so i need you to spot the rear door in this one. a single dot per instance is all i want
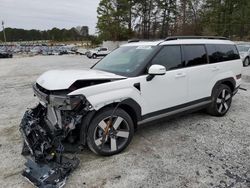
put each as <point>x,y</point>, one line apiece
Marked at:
<point>224,61</point>
<point>199,72</point>
<point>163,93</point>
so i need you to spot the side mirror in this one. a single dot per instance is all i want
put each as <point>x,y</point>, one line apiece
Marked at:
<point>155,70</point>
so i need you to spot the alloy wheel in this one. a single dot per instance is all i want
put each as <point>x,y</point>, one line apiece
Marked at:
<point>223,101</point>
<point>111,138</point>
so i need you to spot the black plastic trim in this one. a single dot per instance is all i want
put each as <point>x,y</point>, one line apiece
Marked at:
<point>195,37</point>
<point>167,110</point>
<point>135,106</point>
<point>137,86</point>
<point>84,127</point>
<point>231,80</point>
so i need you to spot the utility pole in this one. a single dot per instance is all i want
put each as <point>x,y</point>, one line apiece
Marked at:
<point>4,32</point>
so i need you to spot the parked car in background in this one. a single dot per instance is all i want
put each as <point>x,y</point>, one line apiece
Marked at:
<point>36,50</point>
<point>5,54</point>
<point>98,52</point>
<point>244,50</point>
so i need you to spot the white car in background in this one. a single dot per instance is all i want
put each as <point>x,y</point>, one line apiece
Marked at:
<point>244,50</point>
<point>98,52</point>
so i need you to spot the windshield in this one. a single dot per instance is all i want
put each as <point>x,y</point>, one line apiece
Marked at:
<point>125,60</point>
<point>242,48</point>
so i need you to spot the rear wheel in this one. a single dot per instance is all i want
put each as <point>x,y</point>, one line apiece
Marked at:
<point>221,101</point>
<point>246,62</point>
<point>109,136</point>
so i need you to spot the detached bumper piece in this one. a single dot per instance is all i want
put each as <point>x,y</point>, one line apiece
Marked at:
<point>46,166</point>
<point>51,175</point>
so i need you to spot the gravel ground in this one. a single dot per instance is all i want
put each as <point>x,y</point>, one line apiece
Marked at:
<point>195,150</point>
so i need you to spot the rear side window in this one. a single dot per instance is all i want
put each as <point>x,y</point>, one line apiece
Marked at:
<point>103,49</point>
<point>170,57</point>
<point>222,52</point>
<point>194,55</point>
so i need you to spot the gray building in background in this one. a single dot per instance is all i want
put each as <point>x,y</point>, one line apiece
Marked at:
<point>84,31</point>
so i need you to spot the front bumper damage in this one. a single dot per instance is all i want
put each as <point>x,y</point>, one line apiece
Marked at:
<point>46,166</point>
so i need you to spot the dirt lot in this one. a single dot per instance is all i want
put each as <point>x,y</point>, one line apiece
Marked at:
<point>196,150</point>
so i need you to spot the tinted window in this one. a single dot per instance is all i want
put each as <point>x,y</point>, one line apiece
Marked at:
<point>222,52</point>
<point>194,55</point>
<point>103,49</point>
<point>169,56</point>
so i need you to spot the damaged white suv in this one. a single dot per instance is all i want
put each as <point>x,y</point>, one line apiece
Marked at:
<point>136,83</point>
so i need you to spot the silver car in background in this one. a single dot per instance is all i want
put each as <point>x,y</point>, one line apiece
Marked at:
<point>244,50</point>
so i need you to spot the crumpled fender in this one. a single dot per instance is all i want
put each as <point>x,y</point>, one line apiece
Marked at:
<point>111,92</point>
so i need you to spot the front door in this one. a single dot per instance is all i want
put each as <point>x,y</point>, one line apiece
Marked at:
<point>165,92</point>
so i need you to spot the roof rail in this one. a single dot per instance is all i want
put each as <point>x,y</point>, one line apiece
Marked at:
<point>195,37</point>
<point>133,40</point>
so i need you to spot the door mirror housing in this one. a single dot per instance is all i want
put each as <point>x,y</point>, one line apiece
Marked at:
<point>155,70</point>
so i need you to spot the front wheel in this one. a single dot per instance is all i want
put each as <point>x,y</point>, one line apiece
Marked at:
<point>109,136</point>
<point>94,56</point>
<point>221,101</point>
<point>246,62</point>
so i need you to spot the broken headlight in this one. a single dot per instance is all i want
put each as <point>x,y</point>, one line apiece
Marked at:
<point>68,102</point>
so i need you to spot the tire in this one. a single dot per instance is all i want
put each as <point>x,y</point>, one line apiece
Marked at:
<point>221,101</point>
<point>118,137</point>
<point>246,62</point>
<point>94,56</point>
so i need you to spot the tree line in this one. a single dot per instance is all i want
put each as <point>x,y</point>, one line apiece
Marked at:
<point>150,19</point>
<point>55,34</point>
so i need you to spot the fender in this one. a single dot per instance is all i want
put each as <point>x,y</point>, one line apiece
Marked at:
<point>111,92</point>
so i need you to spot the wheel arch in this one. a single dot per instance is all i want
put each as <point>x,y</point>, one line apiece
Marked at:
<point>230,82</point>
<point>128,105</point>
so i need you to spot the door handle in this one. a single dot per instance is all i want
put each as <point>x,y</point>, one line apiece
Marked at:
<point>180,75</point>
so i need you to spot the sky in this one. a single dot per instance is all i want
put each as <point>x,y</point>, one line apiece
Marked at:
<point>46,14</point>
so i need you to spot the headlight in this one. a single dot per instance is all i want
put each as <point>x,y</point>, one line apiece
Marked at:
<point>68,102</point>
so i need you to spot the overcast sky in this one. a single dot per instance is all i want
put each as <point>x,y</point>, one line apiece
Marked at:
<point>46,14</point>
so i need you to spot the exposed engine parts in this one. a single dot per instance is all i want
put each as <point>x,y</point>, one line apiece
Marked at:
<point>46,165</point>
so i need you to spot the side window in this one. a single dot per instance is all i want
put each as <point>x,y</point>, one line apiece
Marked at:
<point>103,49</point>
<point>222,52</point>
<point>228,52</point>
<point>194,55</point>
<point>214,55</point>
<point>170,57</point>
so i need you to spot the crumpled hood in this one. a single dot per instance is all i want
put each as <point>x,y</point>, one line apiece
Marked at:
<point>63,79</point>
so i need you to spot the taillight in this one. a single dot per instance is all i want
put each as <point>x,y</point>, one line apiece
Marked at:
<point>238,76</point>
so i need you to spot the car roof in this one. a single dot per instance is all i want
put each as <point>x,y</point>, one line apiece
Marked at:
<point>180,41</point>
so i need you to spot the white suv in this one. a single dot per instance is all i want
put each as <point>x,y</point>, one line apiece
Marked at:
<point>98,52</point>
<point>136,83</point>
